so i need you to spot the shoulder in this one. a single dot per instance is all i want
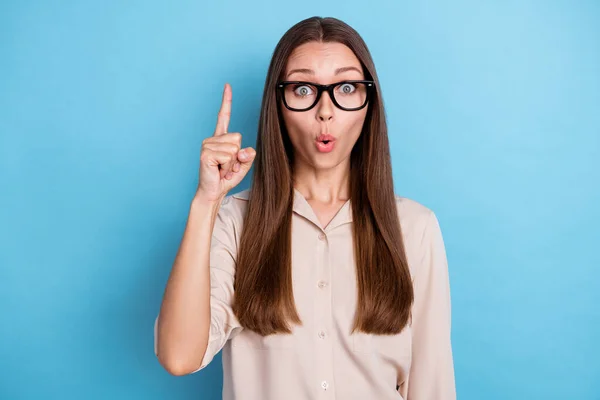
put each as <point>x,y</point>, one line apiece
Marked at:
<point>414,216</point>
<point>419,226</point>
<point>241,195</point>
<point>420,232</point>
<point>233,207</point>
<point>229,220</point>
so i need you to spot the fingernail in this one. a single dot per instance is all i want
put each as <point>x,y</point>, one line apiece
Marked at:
<point>243,154</point>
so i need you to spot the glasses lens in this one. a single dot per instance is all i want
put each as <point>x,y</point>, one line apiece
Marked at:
<point>300,95</point>
<point>350,95</point>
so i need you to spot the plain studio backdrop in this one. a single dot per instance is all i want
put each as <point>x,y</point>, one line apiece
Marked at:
<point>494,123</point>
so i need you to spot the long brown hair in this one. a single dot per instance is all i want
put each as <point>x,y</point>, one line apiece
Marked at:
<point>263,299</point>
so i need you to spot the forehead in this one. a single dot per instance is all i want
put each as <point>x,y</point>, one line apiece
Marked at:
<point>322,58</point>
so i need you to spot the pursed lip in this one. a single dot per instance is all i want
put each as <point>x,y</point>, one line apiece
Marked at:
<point>325,137</point>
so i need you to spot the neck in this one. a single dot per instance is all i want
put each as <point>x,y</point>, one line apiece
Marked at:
<point>323,185</point>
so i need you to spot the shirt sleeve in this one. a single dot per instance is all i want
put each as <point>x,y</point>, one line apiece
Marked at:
<point>431,375</point>
<point>223,251</point>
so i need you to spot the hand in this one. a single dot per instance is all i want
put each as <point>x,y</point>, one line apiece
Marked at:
<point>222,164</point>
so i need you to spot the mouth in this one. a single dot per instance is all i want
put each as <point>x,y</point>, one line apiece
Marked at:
<point>325,143</point>
<point>325,137</point>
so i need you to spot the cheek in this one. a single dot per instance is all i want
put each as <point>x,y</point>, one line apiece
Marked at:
<point>355,124</point>
<point>297,124</point>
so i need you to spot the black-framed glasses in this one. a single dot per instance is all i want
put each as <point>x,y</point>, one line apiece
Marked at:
<point>349,95</point>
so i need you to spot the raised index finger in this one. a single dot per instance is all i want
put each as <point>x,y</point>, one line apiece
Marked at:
<point>224,112</point>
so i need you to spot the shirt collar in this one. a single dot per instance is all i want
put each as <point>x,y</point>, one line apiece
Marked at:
<point>304,209</point>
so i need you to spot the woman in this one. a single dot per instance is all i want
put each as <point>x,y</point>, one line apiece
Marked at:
<point>319,281</point>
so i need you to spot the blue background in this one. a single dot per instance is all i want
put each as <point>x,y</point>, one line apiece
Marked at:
<point>494,121</point>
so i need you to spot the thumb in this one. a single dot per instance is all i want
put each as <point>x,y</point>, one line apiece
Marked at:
<point>246,157</point>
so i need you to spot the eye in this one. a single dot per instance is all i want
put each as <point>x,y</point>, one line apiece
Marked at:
<point>347,88</point>
<point>303,90</point>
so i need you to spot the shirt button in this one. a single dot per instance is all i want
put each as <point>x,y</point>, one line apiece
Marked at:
<point>324,385</point>
<point>321,236</point>
<point>321,334</point>
<point>322,284</point>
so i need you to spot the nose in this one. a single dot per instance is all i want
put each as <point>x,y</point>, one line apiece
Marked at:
<point>325,107</point>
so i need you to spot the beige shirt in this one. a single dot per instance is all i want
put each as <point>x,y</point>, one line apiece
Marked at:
<point>321,360</point>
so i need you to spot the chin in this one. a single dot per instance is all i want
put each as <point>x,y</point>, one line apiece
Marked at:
<point>326,162</point>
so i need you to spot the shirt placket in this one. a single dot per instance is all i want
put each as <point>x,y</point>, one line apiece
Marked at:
<point>323,318</point>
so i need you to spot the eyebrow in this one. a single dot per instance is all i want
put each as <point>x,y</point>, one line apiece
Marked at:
<point>311,72</point>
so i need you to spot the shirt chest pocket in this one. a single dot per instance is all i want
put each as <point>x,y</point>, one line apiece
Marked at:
<point>398,346</point>
<point>248,338</point>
